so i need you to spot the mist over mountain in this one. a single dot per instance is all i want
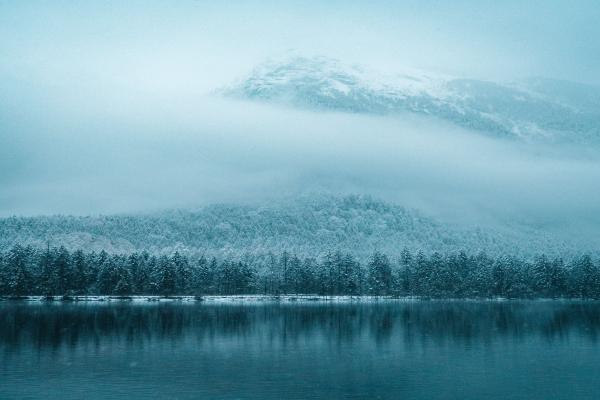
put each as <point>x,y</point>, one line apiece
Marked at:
<point>530,109</point>
<point>426,146</point>
<point>425,108</point>
<point>254,199</point>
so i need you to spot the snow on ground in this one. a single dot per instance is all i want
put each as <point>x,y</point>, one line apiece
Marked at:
<point>225,299</point>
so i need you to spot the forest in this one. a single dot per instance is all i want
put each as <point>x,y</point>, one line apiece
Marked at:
<point>56,271</point>
<point>307,225</point>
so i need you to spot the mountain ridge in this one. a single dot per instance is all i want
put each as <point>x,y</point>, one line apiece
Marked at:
<point>534,109</point>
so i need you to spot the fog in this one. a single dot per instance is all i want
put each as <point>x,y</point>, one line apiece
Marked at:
<point>190,46</point>
<point>214,150</point>
<point>108,108</point>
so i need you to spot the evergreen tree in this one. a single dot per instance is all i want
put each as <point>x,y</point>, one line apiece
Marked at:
<point>56,271</point>
<point>203,277</point>
<point>380,275</point>
<point>47,277</point>
<point>16,276</point>
<point>405,276</point>
<point>166,278</point>
<point>62,267</point>
<point>183,273</point>
<point>80,273</point>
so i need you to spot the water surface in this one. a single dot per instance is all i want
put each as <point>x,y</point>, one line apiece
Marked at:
<point>391,350</point>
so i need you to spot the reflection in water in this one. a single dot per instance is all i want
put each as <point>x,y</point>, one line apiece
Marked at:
<point>53,326</point>
<point>421,349</point>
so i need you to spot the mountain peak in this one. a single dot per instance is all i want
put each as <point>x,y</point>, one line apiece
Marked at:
<point>529,110</point>
<point>327,83</point>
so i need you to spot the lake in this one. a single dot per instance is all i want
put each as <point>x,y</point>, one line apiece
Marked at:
<point>378,350</point>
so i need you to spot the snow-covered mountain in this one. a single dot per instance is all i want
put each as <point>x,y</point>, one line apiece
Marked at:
<point>532,109</point>
<point>309,226</point>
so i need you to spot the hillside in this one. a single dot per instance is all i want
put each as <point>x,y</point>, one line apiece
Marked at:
<point>307,226</point>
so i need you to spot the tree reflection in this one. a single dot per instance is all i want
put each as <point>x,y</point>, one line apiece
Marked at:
<point>51,326</point>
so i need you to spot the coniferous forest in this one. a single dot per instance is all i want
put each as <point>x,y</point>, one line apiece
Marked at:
<point>58,271</point>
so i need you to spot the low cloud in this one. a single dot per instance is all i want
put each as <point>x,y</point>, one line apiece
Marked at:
<point>207,150</point>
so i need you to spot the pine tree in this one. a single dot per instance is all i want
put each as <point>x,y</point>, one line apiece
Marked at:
<point>405,273</point>
<point>203,277</point>
<point>62,268</point>
<point>166,276</point>
<point>80,276</point>
<point>17,275</point>
<point>380,275</point>
<point>183,273</point>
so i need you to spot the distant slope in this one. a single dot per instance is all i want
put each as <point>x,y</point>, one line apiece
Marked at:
<point>310,226</point>
<point>531,110</point>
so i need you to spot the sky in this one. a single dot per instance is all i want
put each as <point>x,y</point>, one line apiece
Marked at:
<point>106,106</point>
<point>193,45</point>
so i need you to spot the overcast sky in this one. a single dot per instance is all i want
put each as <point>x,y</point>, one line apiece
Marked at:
<point>147,45</point>
<point>103,105</point>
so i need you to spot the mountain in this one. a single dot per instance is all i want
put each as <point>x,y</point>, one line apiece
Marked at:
<point>534,109</point>
<point>309,226</point>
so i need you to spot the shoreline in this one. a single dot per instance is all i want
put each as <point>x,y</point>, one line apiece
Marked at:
<point>253,298</point>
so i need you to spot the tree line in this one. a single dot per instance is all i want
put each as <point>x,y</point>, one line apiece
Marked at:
<point>58,271</point>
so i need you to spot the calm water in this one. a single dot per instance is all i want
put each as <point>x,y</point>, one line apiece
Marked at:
<point>416,350</point>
